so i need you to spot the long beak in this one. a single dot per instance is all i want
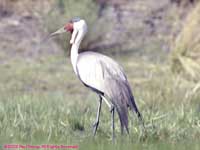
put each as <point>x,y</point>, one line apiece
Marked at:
<point>59,31</point>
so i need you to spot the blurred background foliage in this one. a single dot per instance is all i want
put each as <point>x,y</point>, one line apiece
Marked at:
<point>186,48</point>
<point>144,28</point>
<point>63,11</point>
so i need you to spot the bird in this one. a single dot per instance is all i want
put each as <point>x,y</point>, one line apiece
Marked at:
<point>102,75</point>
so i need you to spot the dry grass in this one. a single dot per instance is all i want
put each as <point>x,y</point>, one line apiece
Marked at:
<point>186,52</point>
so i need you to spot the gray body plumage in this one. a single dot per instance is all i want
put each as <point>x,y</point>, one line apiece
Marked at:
<point>103,75</point>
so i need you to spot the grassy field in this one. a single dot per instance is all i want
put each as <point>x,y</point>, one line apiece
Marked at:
<point>41,102</point>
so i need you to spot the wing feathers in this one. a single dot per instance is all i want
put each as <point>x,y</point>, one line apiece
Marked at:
<point>104,74</point>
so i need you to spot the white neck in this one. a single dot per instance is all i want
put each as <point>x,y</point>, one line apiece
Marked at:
<point>74,56</point>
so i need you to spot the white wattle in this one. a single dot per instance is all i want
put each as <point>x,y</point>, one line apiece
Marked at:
<point>74,57</point>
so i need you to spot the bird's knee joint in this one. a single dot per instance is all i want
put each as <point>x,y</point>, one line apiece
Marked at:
<point>96,123</point>
<point>112,107</point>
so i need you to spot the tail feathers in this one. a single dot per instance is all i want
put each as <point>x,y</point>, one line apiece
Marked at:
<point>135,109</point>
<point>123,117</point>
<point>119,95</point>
<point>122,97</point>
<point>133,105</point>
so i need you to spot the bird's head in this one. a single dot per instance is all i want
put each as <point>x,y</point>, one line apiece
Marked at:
<point>76,26</point>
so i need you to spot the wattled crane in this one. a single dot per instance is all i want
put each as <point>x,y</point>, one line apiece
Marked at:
<point>102,75</point>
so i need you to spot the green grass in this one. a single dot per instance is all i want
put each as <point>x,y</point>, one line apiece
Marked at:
<point>41,102</point>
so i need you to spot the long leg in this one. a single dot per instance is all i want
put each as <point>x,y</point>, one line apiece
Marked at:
<point>112,110</point>
<point>107,102</point>
<point>96,123</point>
<point>113,122</point>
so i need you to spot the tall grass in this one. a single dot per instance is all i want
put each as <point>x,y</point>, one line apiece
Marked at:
<point>185,54</point>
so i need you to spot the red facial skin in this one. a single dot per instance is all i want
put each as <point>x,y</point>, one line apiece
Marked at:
<point>69,27</point>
